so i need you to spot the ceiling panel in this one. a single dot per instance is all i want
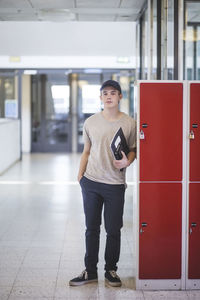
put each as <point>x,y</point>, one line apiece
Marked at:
<point>39,4</point>
<point>70,10</point>
<point>126,18</point>
<point>97,18</point>
<point>132,3</point>
<point>98,3</point>
<point>15,4</point>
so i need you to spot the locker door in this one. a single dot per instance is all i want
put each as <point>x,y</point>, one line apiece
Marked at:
<point>194,231</point>
<point>195,130</point>
<point>160,231</point>
<point>161,108</point>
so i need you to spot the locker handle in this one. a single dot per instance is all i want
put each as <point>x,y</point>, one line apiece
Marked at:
<point>144,224</point>
<point>193,224</point>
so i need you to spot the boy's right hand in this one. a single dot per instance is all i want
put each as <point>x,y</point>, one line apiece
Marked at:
<point>79,177</point>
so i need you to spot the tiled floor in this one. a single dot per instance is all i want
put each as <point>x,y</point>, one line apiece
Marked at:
<point>42,235</point>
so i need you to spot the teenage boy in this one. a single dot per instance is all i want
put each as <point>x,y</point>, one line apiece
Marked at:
<point>102,179</point>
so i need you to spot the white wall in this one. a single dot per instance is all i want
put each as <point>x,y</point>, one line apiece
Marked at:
<point>10,143</point>
<point>81,44</point>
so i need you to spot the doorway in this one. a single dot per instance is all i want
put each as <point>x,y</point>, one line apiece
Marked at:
<point>51,117</point>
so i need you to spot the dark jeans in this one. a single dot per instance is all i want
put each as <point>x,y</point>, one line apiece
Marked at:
<point>95,195</point>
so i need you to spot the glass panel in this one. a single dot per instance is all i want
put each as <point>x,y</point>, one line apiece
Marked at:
<point>170,40</point>
<point>90,99</point>
<point>36,108</point>
<point>60,95</point>
<point>8,99</point>
<point>51,121</point>
<point>192,40</point>
<point>56,110</point>
<point>189,50</point>
<point>154,44</point>
<point>198,53</point>
<point>125,86</point>
<point>145,45</point>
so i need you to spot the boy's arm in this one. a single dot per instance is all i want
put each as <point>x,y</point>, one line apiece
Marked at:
<point>84,160</point>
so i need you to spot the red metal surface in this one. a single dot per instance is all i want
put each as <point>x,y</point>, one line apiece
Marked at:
<point>194,236</point>
<point>161,108</point>
<point>160,241</point>
<point>195,143</point>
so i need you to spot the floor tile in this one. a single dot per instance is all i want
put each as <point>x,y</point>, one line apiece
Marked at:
<point>5,292</point>
<point>173,295</point>
<point>31,291</point>
<point>193,295</point>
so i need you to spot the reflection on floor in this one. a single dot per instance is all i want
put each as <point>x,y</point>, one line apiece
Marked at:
<point>42,235</point>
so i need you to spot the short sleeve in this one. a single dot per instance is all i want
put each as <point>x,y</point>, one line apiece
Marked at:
<point>132,141</point>
<point>86,138</point>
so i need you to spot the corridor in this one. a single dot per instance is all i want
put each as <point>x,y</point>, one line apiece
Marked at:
<point>42,235</point>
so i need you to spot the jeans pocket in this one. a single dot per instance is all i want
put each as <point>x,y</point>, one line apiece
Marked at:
<point>81,180</point>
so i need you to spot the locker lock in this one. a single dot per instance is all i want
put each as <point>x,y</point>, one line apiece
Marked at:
<point>191,135</point>
<point>142,137</point>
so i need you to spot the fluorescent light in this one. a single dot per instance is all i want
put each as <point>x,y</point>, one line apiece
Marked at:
<point>93,71</point>
<point>30,72</point>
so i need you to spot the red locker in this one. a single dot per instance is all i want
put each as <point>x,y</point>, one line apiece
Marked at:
<point>160,230</point>
<point>194,231</point>
<point>161,110</point>
<point>194,131</point>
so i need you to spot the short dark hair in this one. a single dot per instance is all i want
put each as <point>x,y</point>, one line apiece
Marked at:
<point>113,84</point>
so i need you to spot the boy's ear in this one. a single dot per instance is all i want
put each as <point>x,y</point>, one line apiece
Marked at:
<point>120,98</point>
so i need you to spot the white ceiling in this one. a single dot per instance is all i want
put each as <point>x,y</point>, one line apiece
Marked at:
<point>70,10</point>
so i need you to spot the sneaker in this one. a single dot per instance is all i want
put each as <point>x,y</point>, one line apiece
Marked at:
<point>112,278</point>
<point>83,278</point>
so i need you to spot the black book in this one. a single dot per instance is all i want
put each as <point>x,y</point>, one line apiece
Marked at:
<point>119,144</point>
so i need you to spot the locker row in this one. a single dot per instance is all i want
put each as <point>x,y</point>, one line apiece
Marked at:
<point>168,249</point>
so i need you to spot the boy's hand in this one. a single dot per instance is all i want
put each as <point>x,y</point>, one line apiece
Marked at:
<point>79,177</point>
<point>122,163</point>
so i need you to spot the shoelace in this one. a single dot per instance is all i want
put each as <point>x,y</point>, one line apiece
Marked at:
<point>84,274</point>
<point>114,274</point>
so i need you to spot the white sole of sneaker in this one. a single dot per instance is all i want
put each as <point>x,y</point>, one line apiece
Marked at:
<point>113,284</point>
<point>71,283</point>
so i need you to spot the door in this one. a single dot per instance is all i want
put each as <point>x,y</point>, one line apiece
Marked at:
<point>194,185</point>
<point>194,231</point>
<point>51,118</point>
<point>194,131</point>
<point>160,230</point>
<point>160,188</point>
<point>161,110</point>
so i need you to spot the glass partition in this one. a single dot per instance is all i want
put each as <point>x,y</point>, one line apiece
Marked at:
<point>8,96</point>
<point>51,116</point>
<point>192,40</point>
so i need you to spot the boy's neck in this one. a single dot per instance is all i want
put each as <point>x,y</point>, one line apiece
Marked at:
<point>111,114</point>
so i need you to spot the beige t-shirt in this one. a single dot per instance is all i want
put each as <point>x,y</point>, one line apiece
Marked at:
<point>99,132</point>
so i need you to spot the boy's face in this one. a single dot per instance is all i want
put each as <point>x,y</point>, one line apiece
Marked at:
<point>110,97</point>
